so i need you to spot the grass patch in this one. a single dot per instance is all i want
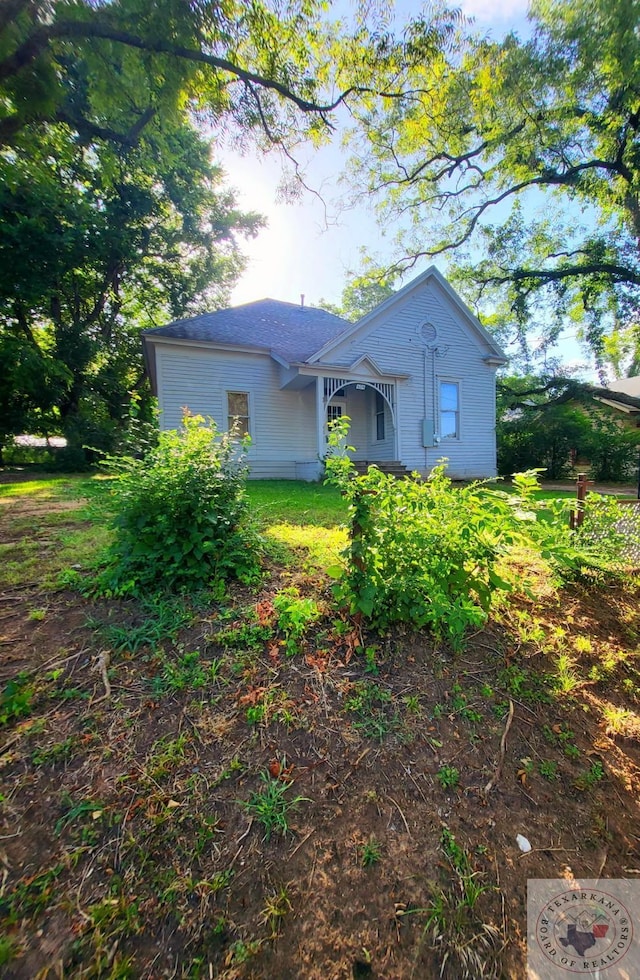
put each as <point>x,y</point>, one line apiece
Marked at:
<point>301,521</point>
<point>293,502</point>
<point>40,560</point>
<point>67,487</point>
<point>271,805</point>
<point>320,546</point>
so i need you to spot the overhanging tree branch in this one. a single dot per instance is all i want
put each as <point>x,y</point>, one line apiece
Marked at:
<point>559,391</point>
<point>86,30</point>
<point>536,277</point>
<point>41,38</point>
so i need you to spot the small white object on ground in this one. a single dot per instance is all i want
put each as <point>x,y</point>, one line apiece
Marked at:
<point>523,843</point>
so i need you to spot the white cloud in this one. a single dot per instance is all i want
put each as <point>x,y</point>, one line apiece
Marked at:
<point>506,14</point>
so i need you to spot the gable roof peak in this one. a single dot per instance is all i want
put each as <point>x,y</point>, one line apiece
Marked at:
<point>432,272</point>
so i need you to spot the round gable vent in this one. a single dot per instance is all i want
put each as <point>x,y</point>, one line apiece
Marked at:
<point>428,333</point>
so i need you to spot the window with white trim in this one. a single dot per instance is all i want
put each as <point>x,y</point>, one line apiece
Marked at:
<point>238,412</point>
<point>449,410</point>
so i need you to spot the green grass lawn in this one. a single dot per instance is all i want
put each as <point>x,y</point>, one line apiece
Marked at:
<point>50,487</point>
<point>293,502</point>
<point>305,522</point>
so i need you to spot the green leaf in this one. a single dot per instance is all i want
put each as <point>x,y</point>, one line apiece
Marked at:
<point>335,571</point>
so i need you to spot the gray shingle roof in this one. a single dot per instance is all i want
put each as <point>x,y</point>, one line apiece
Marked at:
<point>289,330</point>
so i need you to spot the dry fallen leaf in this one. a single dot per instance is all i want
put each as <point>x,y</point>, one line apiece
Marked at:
<point>252,698</point>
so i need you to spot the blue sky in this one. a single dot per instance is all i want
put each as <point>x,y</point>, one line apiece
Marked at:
<point>305,249</point>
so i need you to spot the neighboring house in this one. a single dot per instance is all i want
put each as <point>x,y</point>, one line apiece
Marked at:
<point>628,415</point>
<point>416,376</point>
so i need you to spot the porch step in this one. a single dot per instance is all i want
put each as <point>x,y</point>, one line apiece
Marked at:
<point>393,468</point>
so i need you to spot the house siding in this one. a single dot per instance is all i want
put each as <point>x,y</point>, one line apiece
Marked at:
<point>282,423</point>
<point>395,345</point>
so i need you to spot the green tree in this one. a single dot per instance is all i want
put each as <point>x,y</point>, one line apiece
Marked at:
<point>95,245</point>
<point>359,297</point>
<point>483,135</point>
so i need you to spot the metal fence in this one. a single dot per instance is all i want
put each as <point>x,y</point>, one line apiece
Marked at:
<point>629,526</point>
<point>595,525</point>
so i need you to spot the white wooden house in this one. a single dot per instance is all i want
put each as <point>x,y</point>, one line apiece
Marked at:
<point>416,376</point>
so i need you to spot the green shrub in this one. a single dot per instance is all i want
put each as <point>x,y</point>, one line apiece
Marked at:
<point>612,450</point>
<point>542,438</point>
<point>426,553</point>
<point>422,552</point>
<point>180,513</point>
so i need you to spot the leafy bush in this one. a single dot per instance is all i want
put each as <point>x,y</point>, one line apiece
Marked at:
<point>422,553</point>
<point>542,438</point>
<point>295,614</point>
<point>181,514</point>
<point>426,553</point>
<point>612,450</point>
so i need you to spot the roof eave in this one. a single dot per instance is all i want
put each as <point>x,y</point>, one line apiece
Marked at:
<point>619,406</point>
<point>216,344</point>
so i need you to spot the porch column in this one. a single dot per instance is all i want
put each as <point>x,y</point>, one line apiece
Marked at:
<point>320,416</point>
<point>396,423</point>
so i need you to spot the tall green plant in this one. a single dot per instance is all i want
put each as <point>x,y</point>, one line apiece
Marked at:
<point>180,513</point>
<point>427,553</point>
<point>420,552</point>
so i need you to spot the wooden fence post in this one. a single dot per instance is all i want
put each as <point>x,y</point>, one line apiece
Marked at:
<point>577,516</point>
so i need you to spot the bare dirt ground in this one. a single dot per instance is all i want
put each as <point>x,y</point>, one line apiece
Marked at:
<point>137,744</point>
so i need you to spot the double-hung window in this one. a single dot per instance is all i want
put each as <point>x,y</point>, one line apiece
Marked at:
<point>449,410</point>
<point>238,412</point>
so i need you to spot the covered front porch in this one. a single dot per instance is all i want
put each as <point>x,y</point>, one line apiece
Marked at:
<point>370,407</point>
<point>362,393</point>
